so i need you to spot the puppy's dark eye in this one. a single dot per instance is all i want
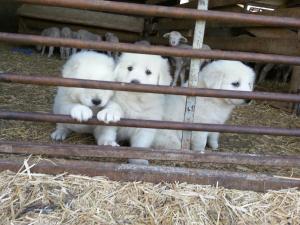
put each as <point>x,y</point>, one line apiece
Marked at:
<point>148,72</point>
<point>236,84</point>
<point>130,68</point>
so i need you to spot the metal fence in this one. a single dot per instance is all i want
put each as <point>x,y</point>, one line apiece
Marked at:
<point>154,173</point>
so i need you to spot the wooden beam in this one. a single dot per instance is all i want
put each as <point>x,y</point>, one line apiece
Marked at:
<point>167,24</point>
<point>266,32</point>
<point>33,26</point>
<point>252,44</point>
<point>83,17</point>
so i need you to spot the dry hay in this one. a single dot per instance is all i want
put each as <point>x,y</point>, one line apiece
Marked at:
<point>27,198</point>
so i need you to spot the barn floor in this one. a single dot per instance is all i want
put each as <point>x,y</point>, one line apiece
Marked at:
<point>151,204</point>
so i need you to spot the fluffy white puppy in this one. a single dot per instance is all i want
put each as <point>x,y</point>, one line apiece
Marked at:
<point>82,103</point>
<point>137,69</point>
<point>222,74</point>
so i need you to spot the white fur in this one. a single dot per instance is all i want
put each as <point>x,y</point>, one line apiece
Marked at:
<point>138,105</point>
<point>217,75</point>
<point>78,102</point>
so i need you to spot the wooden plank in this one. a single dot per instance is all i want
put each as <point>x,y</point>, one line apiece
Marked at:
<point>83,17</point>
<point>167,24</point>
<point>193,76</point>
<point>252,44</point>
<point>282,46</point>
<point>33,26</point>
<point>265,32</point>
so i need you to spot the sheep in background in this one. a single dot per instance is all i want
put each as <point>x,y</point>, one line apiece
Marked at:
<point>175,38</point>
<point>74,36</point>
<point>110,37</point>
<point>88,36</point>
<point>65,52</point>
<point>49,32</point>
<point>181,63</point>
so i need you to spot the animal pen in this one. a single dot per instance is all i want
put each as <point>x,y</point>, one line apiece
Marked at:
<point>86,159</point>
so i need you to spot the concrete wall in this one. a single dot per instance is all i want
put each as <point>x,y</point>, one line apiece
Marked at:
<point>8,19</point>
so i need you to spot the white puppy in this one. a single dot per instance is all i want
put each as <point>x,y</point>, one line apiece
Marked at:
<point>222,74</point>
<point>82,103</point>
<point>137,69</point>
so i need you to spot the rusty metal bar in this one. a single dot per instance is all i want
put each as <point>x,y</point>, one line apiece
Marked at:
<point>174,12</point>
<point>116,86</point>
<point>156,124</point>
<point>93,151</point>
<point>155,50</point>
<point>157,174</point>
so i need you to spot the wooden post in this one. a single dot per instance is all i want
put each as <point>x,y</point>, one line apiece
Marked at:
<point>193,77</point>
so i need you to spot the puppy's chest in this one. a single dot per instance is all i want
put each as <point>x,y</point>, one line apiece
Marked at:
<point>209,112</point>
<point>141,108</point>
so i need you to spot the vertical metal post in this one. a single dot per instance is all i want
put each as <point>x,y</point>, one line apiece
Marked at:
<point>193,76</point>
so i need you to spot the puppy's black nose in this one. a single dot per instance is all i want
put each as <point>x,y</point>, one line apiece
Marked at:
<point>247,101</point>
<point>135,81</point>
<point>96,101</point>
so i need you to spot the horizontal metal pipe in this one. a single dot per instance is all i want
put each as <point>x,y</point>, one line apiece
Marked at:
<point>155,50</point>
<point>93,151</point>
<point>174,12</point>
<point>157,174</point>
<point>157,124</point>
<point>116,86</point>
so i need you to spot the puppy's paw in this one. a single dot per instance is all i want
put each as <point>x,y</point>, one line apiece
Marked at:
<point>214,145</point>
<point>59,135</point>
<point>109,115</point>
<point>200,149</point>
<point>81,113</point>
<point>111,143</point>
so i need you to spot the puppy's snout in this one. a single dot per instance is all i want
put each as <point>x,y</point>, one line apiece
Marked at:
<point>247,101</point>
<point>135,81</point>
<point>96,101</point>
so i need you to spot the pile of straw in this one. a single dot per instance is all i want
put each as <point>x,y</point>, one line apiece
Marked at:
<point>27,198</point>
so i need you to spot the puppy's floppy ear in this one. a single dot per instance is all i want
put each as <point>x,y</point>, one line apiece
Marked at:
<point>166,35</point>
<point>70,68</point>
<point>119,69</point>
<point>164,77</point>
<point>212,80</point>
